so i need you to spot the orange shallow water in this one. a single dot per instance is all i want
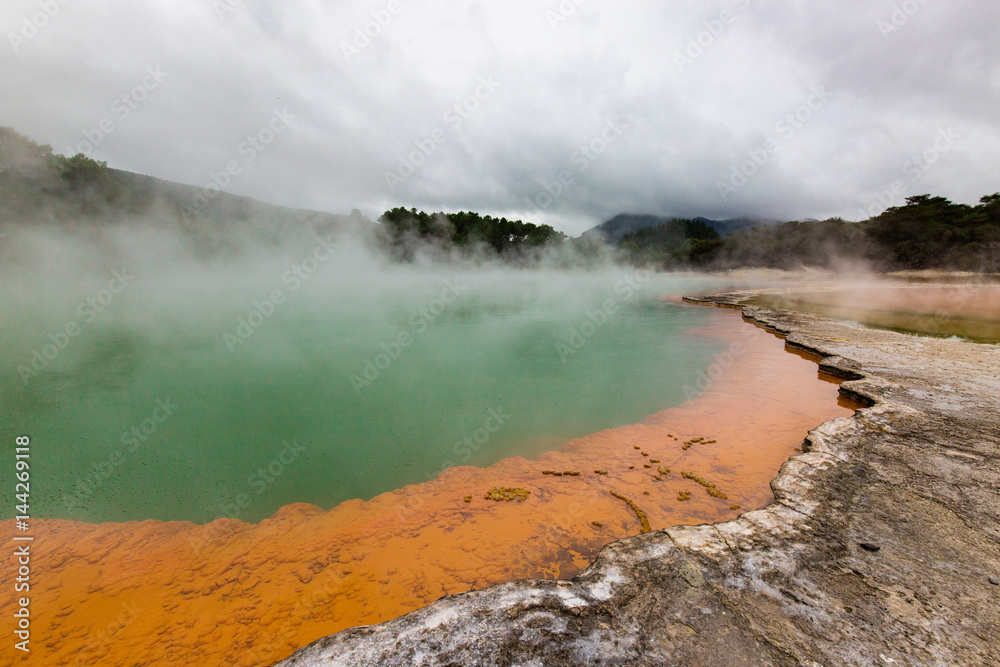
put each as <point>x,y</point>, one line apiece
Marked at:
<point>231,593</point>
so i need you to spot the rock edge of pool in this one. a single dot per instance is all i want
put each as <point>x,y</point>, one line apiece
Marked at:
<point>882,546</point>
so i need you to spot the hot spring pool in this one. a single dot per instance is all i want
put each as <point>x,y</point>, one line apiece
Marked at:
<point>165,405</point>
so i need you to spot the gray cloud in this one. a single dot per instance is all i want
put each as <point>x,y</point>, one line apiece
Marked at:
<point>564,71</point>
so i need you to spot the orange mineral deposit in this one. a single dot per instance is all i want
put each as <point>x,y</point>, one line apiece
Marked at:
<point>232,593</point>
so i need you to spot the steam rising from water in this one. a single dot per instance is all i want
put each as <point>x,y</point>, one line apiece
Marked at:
<point>165,381</point>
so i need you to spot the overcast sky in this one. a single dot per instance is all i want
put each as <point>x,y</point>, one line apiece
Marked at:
<point>790,109</point>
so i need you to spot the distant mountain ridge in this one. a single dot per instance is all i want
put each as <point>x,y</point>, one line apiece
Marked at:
<point>627,223</point>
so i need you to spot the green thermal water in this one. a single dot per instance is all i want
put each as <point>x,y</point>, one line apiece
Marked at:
<point>232,413</point>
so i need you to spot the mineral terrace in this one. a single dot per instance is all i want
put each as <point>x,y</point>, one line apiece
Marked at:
<point>881,548</point>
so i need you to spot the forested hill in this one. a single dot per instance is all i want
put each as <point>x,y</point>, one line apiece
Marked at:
<point>37,185</point>
<point>629,223</point>
<point>651,244</point>
<point>926,233</point>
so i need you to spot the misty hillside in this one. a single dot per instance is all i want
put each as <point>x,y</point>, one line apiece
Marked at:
<point>926,233</point>
<point>656,245</point>
<point>37,186</point>
<point>628,223</point>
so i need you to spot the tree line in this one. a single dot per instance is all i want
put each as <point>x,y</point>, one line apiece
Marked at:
<point>402,233</point>
<point>926,233</point>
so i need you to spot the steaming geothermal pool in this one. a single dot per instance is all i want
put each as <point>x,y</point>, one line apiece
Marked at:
<point>158,403</point>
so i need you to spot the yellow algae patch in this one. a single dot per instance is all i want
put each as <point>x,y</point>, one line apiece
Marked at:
<point>709,487</point>
<point>506,494</point>
<point>643,519</point>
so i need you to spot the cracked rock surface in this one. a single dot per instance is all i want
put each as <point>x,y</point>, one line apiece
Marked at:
<point>878,550</point>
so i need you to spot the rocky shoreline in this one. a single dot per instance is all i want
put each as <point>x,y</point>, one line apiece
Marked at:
<point>882,547</point>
